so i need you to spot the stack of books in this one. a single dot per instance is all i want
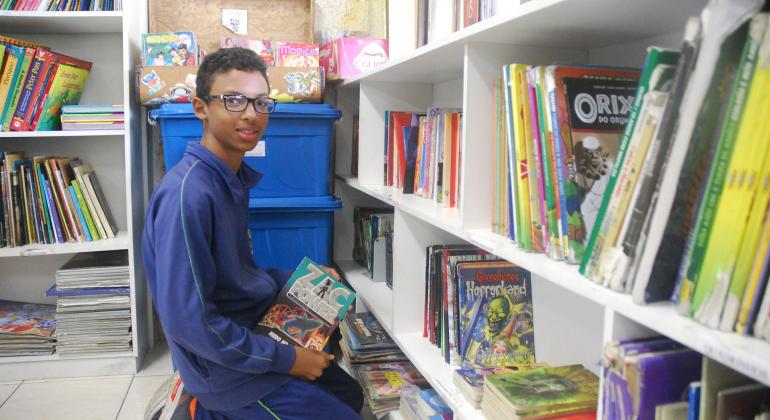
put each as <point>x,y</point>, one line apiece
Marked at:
<point>26,329</point>
<point>93,310</point>
<point>371,239</point>
<point>92,117</point>
<point>470,381</point>
<point>424,404</point>
<point>365,341</point>
<point>540,393</point>
<point>383,384</point>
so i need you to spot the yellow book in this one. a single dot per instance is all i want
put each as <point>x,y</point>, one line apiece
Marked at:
<point>757,268</point>
<point>8,72</point>
<point>522,135</point>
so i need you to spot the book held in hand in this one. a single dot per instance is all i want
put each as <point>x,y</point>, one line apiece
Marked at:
<point>308,308</point>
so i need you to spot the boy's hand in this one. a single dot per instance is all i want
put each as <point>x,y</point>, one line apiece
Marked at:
<point>309,364</point>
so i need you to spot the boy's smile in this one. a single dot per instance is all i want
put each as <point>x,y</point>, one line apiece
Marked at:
<point>229,134</point>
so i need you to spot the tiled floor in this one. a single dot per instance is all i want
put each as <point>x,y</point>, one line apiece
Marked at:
<point>102,398</point>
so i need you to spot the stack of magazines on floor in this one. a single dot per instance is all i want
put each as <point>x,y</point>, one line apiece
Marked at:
<point>26,329</point>
<point>373,358</point>
<point>93,310</point>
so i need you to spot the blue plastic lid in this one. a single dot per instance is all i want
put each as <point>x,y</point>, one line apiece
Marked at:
<point>281,111</point>
<point>328,202</point>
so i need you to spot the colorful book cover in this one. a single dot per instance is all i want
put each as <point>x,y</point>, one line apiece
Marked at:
<point>496,316</point>
<point>368,331</point>
<point>592,106</point>
<point>16,86</point>
<point>170,49</point>
<point>655,56</point>
<point>307,309</point>
<point>544,77</point>
<point>27,318</point>
<point>296,54</point>
<point>66,88</point>
<point>549,387</point>
<point>84,212</point>
<point>9,69</point>
<point>388,380</point>
<point>518,140</point>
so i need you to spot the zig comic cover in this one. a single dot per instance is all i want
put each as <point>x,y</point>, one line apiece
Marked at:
<point>307,309</point>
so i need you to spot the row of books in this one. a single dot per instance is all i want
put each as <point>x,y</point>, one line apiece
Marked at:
<point>421,404</point>
<point>478,309</point>
<point>696,387</point>
<point>438,18</point>
<point>422,154</point>
<point>655,182</point>
<point>61,5</point>
<point>48,200</point>
<point>283,54</point>
<point>373,242</point>
<point>93,306</point>
<point>367,352</point>
<point>34,84</point>
<point>92,117</point>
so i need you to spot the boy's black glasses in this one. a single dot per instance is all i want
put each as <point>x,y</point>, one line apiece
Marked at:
<point>237,103</point>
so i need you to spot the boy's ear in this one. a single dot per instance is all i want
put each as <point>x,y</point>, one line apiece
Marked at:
<point>199,108</point>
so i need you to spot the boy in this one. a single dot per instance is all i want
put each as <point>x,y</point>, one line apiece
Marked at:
<point>205,287</point>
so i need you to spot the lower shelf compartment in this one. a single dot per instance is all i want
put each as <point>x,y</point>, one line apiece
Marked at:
<point>57,366</point>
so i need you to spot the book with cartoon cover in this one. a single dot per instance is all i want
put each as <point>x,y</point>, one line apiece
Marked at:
<point>170,49</point>
<point>496,316</point>
<point>21,318</point>
<point>384,382</point>
<point>307,309</point>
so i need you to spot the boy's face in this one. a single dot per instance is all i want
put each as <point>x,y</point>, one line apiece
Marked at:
<point>232,133</point>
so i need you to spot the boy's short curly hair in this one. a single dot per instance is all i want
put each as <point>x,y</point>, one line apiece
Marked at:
<point>224,60</point>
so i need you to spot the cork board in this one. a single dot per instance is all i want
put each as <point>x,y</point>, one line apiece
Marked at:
<point>276,20</point>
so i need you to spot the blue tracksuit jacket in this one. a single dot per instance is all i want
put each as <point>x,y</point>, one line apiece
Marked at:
<point>205,287</point>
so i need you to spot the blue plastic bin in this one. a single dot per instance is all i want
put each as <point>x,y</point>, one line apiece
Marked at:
<point>297,154</point>
<point>284,230</point>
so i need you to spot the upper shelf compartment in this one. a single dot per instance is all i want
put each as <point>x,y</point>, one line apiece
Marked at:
<point>581,25</point>
<point>60,22</point>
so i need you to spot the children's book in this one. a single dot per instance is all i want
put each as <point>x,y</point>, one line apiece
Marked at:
<point>296,54</point>
<point>496,316</point>
<point>27,318</point>
<point>67,86</point>
<point>308,308</point>
<point>170,49</point>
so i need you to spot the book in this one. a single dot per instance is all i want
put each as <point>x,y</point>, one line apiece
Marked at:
<point>672,411</point>
<point>66,88</point>
<point>548,391</point>
<point>716,377</point>
<point>383,383</point>
<point>296,54</point>
<point>170,49</point>
<point>742,402</point>
<point>23,318</point>
<point>693,401</point>
<point>308,308</point>
<point>496,314</point>
<point>368,331</point>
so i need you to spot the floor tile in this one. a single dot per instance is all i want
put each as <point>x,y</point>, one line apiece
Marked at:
<point>67,399</point>
<point>6,389</point>
<point>142,389</point>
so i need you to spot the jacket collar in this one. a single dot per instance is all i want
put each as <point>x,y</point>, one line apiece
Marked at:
<point>238,183</point>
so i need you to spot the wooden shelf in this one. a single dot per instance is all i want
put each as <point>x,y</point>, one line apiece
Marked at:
<point>119,242</point>
<point>60,22</point>
<point>59,134</point>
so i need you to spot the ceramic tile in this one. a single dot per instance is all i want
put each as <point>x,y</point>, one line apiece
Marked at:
<point>67,399</point>
<point>139,394</point>
<point>6,389</point>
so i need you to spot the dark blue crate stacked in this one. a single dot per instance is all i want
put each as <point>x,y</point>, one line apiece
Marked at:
<point>291,207</point>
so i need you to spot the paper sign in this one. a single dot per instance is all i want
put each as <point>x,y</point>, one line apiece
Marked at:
<point>235,20</point>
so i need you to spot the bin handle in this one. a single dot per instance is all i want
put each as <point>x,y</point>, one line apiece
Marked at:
<point>151,119</point>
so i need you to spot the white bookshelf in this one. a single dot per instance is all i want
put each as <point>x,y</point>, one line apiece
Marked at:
<point>110,40</point>
<point>60,134</point>
<point>574,317</point>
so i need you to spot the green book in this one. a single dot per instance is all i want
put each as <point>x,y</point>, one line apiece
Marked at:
<point>86,211</point>
<point>568,387</point>
<point>655,56</point>
<point>714,128</point>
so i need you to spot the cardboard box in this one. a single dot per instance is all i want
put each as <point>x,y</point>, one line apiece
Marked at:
<point>158,85</point>
<point>347,57</point>
<point>161,85</point>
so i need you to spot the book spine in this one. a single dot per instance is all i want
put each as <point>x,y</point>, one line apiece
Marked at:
<point>102,207</point>
<point>510,165</point>
<point>58,205</point>
<point>518,159</point>
<point>560,170</point>
<point>88,214</point>
<point>8,81</point>
<point>20,119</point>
<point>66,202</point>
<point>757,280</point>
<point>80,210</point>
<point>535,171</point>
<point>57,229</point>
<point>16,91</point>
<point>43,96</point>
<point>546,134</point>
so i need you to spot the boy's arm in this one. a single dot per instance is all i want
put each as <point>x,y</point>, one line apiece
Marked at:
<point>186,277</point>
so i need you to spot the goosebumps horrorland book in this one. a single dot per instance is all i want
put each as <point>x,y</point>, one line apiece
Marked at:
<point>307,309</point>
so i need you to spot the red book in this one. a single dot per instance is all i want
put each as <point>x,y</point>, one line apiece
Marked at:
<point>42,93</point>
<point>396,152</point>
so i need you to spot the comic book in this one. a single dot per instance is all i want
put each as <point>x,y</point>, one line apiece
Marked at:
<point>496,314</point>
<point>383,383</point>
<point>296,54</point>
<point>67,86</point>
<point>260,46</point>
<point>27,318</point>
<point>591,106</point>
<point>307,309</point>
<point>170,49</point>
